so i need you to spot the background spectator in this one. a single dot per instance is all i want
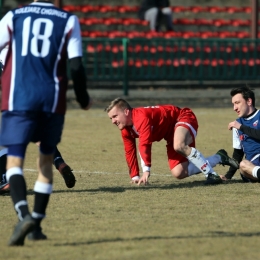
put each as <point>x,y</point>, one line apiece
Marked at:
<point>156,12</point>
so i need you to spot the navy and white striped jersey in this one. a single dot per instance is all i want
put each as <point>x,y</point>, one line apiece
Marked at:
<point>40,38</point>
<point>250,145</point>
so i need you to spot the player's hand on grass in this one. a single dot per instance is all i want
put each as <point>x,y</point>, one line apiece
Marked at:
<point>144,178</point>
<point>135,179</point>
<point>223,177</point>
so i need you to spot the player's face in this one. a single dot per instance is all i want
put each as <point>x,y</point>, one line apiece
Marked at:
<point>241,106</point>
<point>119,117</point>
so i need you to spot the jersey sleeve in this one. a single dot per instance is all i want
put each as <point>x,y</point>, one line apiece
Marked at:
<point>130,153</point>
<point>236,140</point>
<point>6,25</point>
<point>252,132</point>
<point>74,48</point>
<point>3,54</point>
<point>145,143</point>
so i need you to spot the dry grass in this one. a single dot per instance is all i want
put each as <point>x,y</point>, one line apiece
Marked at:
<point>106,217</point>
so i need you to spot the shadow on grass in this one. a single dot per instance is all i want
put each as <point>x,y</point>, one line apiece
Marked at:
<point>211,234</point>
<point>176,185</point>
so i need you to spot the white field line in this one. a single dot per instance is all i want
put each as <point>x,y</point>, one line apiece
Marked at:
<point>122,173</point>
<point>99,172</point>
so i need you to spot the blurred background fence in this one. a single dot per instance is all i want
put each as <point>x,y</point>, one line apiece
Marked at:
<point>213,42</point>
<point>171,59</point>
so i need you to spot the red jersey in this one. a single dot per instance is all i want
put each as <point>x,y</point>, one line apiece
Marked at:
<point>150,124</point>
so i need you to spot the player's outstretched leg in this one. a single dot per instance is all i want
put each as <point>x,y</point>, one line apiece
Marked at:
<point>22,228</point>
<point>64,169</point>
<point>226,160</point>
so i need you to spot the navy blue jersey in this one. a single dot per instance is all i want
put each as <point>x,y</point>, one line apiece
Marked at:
<point>250,145</point>
<point>40,38</point>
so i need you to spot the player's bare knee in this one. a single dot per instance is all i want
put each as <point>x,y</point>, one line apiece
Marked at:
<point>243,165</point>
<point>178,175</point>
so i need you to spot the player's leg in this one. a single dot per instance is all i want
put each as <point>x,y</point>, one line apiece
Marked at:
<point>14,175</point>
<point>16,129</point>
<point>184,144</point>
<point>167,15</point>
<point>42,191</point>
<point>250,171</point>
<point>64,169</point>
<point>50,137</point>
<point>4,185</point>
<point>151,15</point>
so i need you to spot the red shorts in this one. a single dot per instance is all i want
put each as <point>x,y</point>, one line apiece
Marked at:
<point>188,120</point>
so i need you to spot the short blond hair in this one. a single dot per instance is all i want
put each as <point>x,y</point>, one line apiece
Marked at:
<point>119,103</point>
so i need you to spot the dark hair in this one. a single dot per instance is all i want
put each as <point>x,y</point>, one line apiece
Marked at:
<point>118,102</point>
<point>245,91</point>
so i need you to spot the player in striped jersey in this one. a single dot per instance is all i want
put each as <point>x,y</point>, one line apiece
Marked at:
<point>178,126</point>
<point>58,161</point>
<point>40,39</point>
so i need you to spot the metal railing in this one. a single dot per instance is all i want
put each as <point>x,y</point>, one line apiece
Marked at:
<point>171,59</point>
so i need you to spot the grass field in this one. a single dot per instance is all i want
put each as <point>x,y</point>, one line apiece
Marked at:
<point>106,217</point>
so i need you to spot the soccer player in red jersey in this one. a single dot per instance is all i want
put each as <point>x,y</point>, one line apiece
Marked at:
<point>178,126</point>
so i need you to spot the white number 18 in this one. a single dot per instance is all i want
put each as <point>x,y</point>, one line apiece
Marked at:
<point>44,38</point>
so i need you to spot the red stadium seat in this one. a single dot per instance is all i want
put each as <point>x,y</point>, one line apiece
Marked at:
<point>196,9</point>
<point>178,9</point>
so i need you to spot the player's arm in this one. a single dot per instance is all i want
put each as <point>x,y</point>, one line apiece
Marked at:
<point>78,75</point>
<point>6,26</point>
<point>238,155</point>
<point>130,155</point>
<point>145,148</point>
<point>252,132</point>
<point>80,82</point>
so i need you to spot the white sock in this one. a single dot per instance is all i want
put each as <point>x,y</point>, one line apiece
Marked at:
<point>212,160</point>
<point>200,162</point>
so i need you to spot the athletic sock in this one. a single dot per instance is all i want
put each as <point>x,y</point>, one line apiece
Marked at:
<point>256,172</point>
<point>200,162</point>
<point>18,194</point>
<point>58,160</point>
<point>42,194</point>
<point>213,160</point>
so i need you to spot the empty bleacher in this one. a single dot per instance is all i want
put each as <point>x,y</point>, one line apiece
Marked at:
<point>189,21</point>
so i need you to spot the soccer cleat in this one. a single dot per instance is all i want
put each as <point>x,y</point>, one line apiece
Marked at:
<point>4,187</point>
<point>67,175</point>
<point>226,160</point>
<point>213,179</point>
<point>36,234</point>
<point>21,230</point>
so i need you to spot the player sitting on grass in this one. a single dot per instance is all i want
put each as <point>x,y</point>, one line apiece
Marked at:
<point>246,135</point>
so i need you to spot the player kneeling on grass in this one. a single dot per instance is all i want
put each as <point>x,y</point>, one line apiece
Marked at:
<point>178,126</point>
